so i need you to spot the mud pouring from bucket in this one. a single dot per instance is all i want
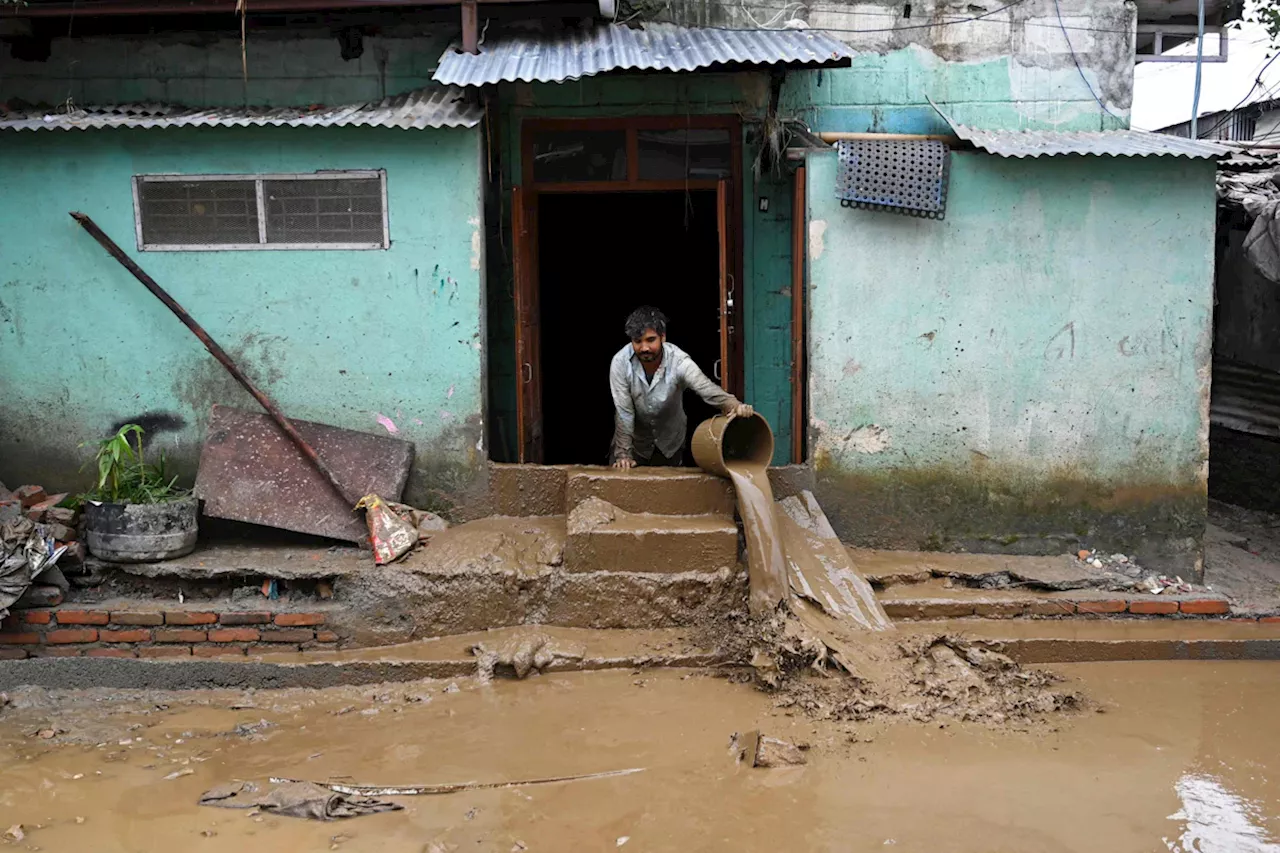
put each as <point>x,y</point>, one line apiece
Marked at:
<point>793,555</point>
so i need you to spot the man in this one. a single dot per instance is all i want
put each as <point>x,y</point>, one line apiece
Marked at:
<point>648,378</point>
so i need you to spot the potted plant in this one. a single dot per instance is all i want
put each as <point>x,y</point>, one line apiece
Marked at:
<point>135,512</point>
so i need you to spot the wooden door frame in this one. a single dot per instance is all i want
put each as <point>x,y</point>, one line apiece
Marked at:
<point>530,191</point>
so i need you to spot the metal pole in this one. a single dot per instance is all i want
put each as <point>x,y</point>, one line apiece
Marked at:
<point>1195,101</point>
<point>218,352</point>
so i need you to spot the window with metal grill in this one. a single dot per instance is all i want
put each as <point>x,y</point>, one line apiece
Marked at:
<point>324,210</point>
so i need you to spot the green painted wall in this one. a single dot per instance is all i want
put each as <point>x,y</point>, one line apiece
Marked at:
<point>766,236</point>
<point>1028,374</point>
<point>335,336</point>
<point>296,68</point>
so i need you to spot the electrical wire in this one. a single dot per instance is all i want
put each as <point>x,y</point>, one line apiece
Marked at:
<point>1257,81</point>
<point>886,29</point>
<point>983,17</point>
<point>1076,60</point>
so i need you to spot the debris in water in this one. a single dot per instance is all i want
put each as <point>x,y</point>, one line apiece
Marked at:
<point>757,750</point>
<point>294,799</point>
<point>623,839</point>
<point>451,787</point>
<point>15,833</point>
<point>186,771</point>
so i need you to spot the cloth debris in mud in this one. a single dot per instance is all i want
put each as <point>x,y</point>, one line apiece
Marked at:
<point>524,653</point>
<point>294,799</point>
<point>27,551</point>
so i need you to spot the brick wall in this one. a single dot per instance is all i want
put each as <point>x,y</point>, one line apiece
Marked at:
<point>72,632</point>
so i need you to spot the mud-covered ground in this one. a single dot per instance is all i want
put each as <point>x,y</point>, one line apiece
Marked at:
<point>1175,756</point>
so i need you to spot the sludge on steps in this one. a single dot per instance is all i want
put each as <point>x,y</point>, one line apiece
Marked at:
<point>812,611</point>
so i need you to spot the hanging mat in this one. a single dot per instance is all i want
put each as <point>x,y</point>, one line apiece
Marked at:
<point>899,176</point>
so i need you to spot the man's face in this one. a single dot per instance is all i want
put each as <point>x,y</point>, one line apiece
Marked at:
<point>648,347</point>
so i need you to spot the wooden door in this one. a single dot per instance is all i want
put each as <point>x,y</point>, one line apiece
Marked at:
<point>524,229</point>
<point>725,375</point>
<point>799,224</point>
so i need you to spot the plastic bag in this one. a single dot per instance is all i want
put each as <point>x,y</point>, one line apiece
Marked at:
<point>391,536</point>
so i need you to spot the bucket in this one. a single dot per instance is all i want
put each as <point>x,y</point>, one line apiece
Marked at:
<point>732,439</point>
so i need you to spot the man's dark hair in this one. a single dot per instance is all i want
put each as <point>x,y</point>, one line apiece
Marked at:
<point>645,317</point>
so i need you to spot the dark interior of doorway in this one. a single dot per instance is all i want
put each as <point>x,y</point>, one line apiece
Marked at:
<point>601,255</point>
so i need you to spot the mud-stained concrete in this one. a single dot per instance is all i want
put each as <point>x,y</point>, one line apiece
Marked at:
<point>1182,759</point>
<point>498,572</point>
<point>604,538</point>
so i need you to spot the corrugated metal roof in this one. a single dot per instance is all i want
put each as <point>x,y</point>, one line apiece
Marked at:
<point>1115,143</point>
<point>423,108</point>
<point>571,54</point>
<point>1245,398</point>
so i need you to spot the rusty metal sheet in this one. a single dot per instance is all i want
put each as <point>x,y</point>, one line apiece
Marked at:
<point>250,471</point>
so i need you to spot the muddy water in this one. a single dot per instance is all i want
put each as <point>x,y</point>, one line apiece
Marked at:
<point>766,566</point>
<point>1186,757</point>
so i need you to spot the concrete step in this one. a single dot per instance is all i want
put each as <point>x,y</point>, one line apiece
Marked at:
<point>602,538</point>
<point>568,649</point>
<point>943,599</point>
<point>1041,641</point>
<point>661,491</point>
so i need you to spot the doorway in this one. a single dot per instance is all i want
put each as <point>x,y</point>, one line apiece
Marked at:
<point>601,255</point>
<point>618,213</point>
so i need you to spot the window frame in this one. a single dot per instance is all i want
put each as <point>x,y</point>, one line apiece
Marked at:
<point>258,179</point>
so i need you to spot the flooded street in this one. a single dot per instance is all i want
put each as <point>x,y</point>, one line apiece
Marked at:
<point>1182,757</point>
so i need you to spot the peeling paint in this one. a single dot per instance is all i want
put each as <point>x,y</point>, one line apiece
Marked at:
<point>817,234</point>
<point>868,439</point>
<point>387,423</point>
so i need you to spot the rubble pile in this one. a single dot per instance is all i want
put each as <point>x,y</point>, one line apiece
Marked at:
<point>1124,573</point>
<point>37,536</point>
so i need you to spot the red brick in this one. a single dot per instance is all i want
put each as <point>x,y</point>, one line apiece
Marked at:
<point>298,635</point>
<point>164,652</point>
<point>1205,606</point>
<point>59,531</point>
<point>12,654</point>
<point>1052,607</point>
<point>188,617</point>
<point>918,609</point>
<point>180,636</point>
<point>37,511</point>
<point>29,495</point>
<point>234,635</point>
<point>37,617</point>
<point>1153,607</point>
<point>16,638</point>
<point>60,652</point>
<point>72,635</point>
<point>131,635</point>
<point>83,617</point>
<point>62,515</point>
<point>259,618</point>
<point>216,651</point>
<point>1102,606</point>
<point>127,617</point>
<point>1269,619</point>
<point>326,637</point>
<point>109,653</point>
<point>299,620</point>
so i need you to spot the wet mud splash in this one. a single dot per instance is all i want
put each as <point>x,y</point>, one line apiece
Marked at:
<point>818,636</point>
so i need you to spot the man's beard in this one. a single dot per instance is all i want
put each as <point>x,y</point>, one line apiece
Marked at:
<point>648,356</point>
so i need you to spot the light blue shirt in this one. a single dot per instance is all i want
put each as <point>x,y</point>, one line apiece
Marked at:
<point>650,413</point>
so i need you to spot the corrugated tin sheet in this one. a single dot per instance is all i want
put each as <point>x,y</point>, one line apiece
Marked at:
<point>423,108</point>
<point>569,55</point>
<point>1245,398</point>
<point>1115,143</point>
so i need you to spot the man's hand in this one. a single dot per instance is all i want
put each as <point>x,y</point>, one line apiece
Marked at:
<point>624,462</point>
<point>742,410</point>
